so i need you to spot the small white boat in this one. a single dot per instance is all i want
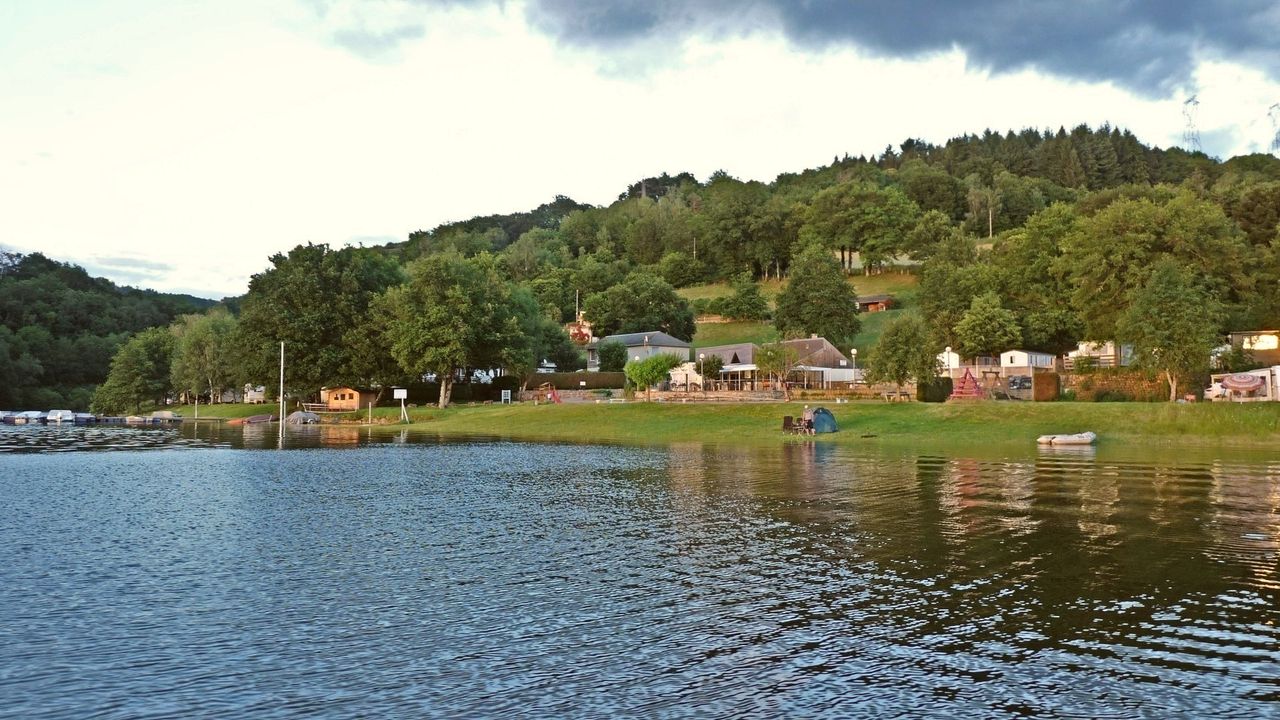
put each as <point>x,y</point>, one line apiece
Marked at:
<point>1084,438</point>
<point>56,417</point>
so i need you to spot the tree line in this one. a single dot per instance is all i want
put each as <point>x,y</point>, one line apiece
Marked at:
<point>1037,239</point>
<point>60,327</point>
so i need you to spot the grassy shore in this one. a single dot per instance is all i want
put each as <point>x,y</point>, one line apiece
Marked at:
<point>1254,425</point>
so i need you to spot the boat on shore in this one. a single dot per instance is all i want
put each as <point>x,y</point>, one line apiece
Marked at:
<point>1084,438</point>
<point>252,420</point>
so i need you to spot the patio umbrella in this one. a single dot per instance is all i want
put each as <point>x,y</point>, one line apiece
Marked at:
<point>1242,382</point>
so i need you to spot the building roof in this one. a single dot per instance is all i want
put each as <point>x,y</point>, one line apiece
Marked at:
<point>655,338</point>
<point>817,351</point>
<point>865,299</point>
<point>731,354</point>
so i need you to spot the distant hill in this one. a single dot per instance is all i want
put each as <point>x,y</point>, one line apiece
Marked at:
<point>59,328</point>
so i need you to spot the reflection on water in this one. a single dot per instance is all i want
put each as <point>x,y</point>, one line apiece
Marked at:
<point>407,577</point>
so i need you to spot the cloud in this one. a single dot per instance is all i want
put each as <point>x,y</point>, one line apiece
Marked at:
<point>1147,46</point>
<point>127,270</point>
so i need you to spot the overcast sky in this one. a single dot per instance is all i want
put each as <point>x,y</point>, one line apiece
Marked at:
<point>177,144</point>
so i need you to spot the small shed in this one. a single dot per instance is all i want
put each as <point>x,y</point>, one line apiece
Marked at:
<point>347,399</point>
<point>874,303</point>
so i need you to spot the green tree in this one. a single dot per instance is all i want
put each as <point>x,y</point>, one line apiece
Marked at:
<point>987,328</point>
<point>984,204</point>
<point>932,189</point>
<point>452,314</point>
<point>1172,322</point>
<point>929,233</point>
<point>650,371</point>
<point>139,374</point>
<point>904,352</point>
<point>709,368</point>
<point>817,300</point>
<point>1258,212</point>
<point>533,253</point>
<point>862,218</point>
<point>1025,261</point>
<point>777,361</point>
<point>547,339</point>
<point>680,269</point>
<point>1113,252</point>
<point>613,356</point>
<point>641,303</point>
<point>203,356</point>
<point>746,302</point>
<point>311,299</point>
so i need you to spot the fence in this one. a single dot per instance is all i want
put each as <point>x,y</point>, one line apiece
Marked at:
<point>574,380</point>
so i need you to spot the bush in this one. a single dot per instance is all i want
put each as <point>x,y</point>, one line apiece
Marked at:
<point>613,356</point>
<point>936,390</point>
<point>680,269</point>
<point>1110,395</point>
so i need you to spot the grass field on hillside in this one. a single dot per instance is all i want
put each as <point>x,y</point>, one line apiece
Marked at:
<point>892,283</point>
<point>730,333</point>
<point>903,287</point>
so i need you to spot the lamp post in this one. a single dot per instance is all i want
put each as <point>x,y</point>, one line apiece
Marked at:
<point>853,354</point>
<point>701,357</point>
<point>947,352</point>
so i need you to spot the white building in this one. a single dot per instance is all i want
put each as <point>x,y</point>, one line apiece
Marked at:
<point>1024,362</point>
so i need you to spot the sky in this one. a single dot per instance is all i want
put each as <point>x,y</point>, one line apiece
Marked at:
<point>178,144</point>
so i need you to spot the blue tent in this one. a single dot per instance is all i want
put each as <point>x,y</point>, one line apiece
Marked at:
<point>824,421</point>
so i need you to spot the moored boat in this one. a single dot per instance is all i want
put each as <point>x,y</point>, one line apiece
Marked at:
<point>160,417</point>
<point>57,417</point>
<point>1084,438</point>
<point>86,418</point>
<point>31,417</point>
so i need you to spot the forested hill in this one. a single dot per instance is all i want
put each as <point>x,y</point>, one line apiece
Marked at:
<point>59,328</point>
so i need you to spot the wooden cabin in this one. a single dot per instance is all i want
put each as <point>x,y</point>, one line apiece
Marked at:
<point>347,399</point>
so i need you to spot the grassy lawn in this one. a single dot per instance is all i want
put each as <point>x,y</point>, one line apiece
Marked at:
<point>970,424</point>
<point>729,333</point>
<point>227,411</point>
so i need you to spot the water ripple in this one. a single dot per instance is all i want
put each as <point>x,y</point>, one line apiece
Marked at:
<point>182,576</point>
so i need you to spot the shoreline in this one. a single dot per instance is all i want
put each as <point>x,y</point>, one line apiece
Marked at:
<point>1254,426</point>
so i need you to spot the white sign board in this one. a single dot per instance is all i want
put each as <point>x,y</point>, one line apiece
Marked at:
<point>399,393</point>
<point>506,396</point>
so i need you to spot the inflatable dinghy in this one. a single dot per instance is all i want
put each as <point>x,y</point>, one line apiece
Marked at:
<point>1084,438</point>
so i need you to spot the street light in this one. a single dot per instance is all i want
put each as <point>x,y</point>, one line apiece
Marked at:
<point>701,357</point>
<point>947,352</point>
<point>854,355</point>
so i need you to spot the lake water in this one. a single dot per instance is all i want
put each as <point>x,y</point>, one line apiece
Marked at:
<point>203,572</point>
